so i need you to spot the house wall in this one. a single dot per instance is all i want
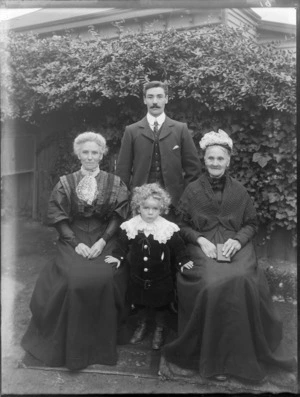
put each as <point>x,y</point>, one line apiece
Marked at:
<point>139,21</point>
<point>238,18</point>
<point>283,41</point>
<point>44,180</point>
<point>17,194</point>
<point>18,170</point>
<point>50,21</point>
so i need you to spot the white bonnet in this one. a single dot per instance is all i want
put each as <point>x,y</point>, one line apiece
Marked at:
<point>216,138</point>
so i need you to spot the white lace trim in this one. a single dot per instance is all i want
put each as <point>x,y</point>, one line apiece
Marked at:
<point>161,229</point>
<point>87,189</point>
<point>215,138</point>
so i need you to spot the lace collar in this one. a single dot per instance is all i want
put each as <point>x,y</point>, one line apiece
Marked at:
<point>87,189</point>
<point>161,229</point>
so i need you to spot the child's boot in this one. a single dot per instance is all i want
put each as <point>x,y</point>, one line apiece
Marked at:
<point>139,332</point>
<point>141,329</point>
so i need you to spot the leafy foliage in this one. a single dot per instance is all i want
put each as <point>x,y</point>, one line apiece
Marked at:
<point>218,78</point>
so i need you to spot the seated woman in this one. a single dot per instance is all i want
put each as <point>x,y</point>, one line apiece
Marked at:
<point>227,324</point>
<point>78,301</point>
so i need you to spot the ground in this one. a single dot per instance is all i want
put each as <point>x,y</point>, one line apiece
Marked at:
<point>26,247</point>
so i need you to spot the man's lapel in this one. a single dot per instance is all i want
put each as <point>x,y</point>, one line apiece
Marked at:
<point>166,128</point>
<point>145,129</point>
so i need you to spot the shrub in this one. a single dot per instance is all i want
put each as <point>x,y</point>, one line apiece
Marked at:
<point>218,78</point>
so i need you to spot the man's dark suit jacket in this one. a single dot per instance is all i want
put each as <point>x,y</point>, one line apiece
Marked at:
<point>179,158</point>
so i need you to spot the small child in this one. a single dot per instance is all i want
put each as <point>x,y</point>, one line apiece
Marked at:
<point>149,238</point>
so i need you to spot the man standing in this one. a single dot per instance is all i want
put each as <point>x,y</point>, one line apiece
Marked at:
<point>157,148</point>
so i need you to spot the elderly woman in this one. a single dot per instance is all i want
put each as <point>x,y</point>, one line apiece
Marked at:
<point>78,301</point>
<point>227,325</point>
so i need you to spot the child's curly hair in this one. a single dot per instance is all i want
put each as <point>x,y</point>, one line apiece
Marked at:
<point>154,190</point>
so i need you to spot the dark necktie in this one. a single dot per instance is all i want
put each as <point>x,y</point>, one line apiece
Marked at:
<point>155,129</point>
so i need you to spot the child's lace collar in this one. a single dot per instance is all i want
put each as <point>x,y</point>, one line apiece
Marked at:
<point>161,229</point>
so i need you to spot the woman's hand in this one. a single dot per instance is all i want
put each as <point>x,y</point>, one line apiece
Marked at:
<point>82,250</point>
<point>97,248</point>
<point>187,265</point>
<point>112,259</point>
<point>231,247</point>
<point>207,247</point>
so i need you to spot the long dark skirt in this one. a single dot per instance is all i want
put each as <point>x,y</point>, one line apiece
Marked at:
<point>227,323</point>
<point>78,309</point>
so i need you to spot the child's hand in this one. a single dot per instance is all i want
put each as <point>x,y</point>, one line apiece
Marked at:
<point>112,259</point>
<point>187,265</point>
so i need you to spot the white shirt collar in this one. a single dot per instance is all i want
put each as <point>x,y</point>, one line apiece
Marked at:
<point>90,173</point>
<point>160,119</point>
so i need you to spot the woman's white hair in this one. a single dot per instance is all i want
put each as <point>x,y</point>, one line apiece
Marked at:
<point>90,136</point>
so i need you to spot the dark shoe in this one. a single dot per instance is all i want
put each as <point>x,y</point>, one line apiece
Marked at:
<point>158,338</point>
<point>139,333</point>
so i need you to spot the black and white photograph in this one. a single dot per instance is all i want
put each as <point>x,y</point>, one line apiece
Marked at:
<point>149,197</point>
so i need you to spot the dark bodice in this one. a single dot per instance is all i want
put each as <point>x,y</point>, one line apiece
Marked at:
<point>64,203</point>
<point>202,212</point>
<point>66,211</point>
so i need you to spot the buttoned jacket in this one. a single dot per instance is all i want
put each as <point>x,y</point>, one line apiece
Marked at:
<point>179,158</point>
<point>150,261</point>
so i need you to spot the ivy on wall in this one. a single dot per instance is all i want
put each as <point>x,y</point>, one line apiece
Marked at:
<point>218,78</point>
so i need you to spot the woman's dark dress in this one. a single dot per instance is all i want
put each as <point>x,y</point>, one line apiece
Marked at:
<point>78,304</point>
<point>227,323</point>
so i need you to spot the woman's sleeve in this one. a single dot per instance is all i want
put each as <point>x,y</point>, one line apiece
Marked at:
<point>187,231</point>
<point>122,246</point>
<point>122,202</point>
<point>112,227</point>
<point>188,234</point>
<point>66,233</point>
<point>59,213</point>
<point>59,206</point>
<point>119,214</point>
<point>250,223</point>
<point>177,246</point>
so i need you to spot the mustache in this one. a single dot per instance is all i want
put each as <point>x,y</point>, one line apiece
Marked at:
<point>154,107</point>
